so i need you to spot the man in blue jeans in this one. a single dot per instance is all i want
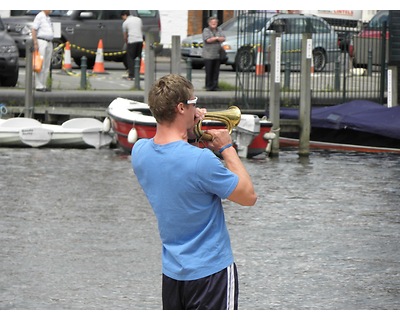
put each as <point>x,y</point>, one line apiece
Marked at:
<point>185,186</point>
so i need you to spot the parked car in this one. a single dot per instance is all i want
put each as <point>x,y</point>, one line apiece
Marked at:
<point>83,29</point>
<point>9,65</point>
<point>192,46</point>
<point>249,31</point>
<point>369,42</point>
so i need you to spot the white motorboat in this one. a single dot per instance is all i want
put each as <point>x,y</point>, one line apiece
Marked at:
<point>132,120</point>
<point>74,133</point>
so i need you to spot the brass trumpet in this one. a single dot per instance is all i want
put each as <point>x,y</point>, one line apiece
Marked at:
<point>230,117</point>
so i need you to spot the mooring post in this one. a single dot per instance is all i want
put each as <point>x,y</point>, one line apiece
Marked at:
<point>176,55</point>
<point>275,86</point>
<point>28,79</point>
<point>149,58</point>
<point>189,69</point>
<point>83,73</point>
<point>137,73</point>
<point>305,95</point>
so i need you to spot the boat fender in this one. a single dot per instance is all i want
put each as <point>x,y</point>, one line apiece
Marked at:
<point>107,125</point>
<point>132,136</point>
<point>269,136</point>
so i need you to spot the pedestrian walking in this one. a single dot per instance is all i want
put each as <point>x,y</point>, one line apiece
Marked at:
<point>42,36</point>
<point>132,29</point>
<point>213,36</point>
<point>185,186</point>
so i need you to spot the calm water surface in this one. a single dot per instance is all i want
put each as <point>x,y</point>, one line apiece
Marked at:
<point>76,232</point>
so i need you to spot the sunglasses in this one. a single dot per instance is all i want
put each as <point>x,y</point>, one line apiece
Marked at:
<point>193,101</point>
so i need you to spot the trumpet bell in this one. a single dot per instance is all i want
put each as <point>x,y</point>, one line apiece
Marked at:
<point>230,117</point>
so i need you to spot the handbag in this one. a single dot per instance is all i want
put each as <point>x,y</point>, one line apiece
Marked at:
<point>37,61</point>
<point>222,55</point>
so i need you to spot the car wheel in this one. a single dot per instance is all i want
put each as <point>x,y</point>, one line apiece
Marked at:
<point>319,58</point>
<point>244,60</point>
<point>10,81</point>
<point>58,55</point>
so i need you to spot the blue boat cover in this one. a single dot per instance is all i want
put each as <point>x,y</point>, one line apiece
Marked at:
<point>358,115</point>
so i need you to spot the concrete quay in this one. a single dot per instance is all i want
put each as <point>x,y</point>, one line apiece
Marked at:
<point>67,98</point>
<point>91,103</point>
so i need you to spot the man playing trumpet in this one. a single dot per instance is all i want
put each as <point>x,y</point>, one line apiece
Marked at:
<point>185,186</point>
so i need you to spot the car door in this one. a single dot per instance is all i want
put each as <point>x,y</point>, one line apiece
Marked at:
<point>291,40</point>
<point>111,23</point>
<point>85,30</point>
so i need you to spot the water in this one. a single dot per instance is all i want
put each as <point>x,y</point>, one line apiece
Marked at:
<point>76,232</point>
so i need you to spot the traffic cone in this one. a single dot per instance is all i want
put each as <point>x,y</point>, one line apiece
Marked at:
<point>260,62</point>
<point>67,66</point>
<point>99,62</point>
<point>142,63</point>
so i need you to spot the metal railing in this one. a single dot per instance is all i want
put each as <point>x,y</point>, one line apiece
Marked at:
<point>356,71</point>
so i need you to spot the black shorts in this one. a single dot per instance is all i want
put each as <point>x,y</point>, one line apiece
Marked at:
<point>218,291</point>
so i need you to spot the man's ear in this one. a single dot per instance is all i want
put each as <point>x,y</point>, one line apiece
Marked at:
<point>180,106</point>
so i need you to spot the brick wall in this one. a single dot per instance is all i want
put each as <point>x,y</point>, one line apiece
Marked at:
<point>196,22</point>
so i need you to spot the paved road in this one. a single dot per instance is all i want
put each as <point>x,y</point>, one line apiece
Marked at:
<point>113,78</point>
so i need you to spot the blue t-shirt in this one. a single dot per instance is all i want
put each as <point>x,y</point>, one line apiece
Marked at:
<point>184,185</point>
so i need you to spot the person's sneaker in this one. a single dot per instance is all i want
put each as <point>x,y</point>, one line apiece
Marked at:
<point>128,78</point>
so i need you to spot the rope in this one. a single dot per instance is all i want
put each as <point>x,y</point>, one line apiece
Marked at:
<point>106,54</point>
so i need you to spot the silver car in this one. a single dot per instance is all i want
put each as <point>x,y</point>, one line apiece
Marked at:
<point>245,33</point>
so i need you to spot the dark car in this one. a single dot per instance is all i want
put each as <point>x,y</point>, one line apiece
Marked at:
<point>83,29</point>
<point>9,66</point>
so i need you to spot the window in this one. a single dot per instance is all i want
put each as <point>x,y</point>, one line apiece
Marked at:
<point>378,20</point>
<point>147,13</point>
<point>111,15</point>
<point>279,26</point>
<point>319,26</point>
<point>297,25</point>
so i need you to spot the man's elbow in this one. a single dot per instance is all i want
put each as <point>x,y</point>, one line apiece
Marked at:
<point>251,200</point>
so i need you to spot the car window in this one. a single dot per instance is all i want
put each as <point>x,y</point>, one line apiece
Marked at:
<point>54,13</point>
<point>245,23</point>
<point>279,26</point>
<point>110,15</point>
<point>296,26</point>
<point>1,25</point>
<point>147,13</point>
<point>319,26</point>
<point>378,20</point>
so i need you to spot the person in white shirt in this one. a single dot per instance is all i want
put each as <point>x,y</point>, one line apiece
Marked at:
<point>132,29</point>
<point>42,36</point>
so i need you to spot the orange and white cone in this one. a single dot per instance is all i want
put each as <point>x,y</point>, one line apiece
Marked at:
<point>142,63</point>
<point>312,65</point>
<point>67,65</point>
<point>260,69</point>
<point>99,62</point>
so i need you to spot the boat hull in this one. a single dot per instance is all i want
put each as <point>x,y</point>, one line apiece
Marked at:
<point>285,142</point>
<point>132,120</point>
